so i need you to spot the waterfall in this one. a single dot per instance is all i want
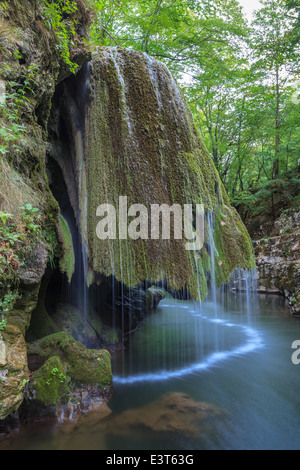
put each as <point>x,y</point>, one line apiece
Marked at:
<point>142,143</point>
<point>244,282</point>
<point>212,248</point>
<point>194,337</point>
<point>69,155</point>
<point>81,158</point>
<point>121,127</point>
<point>117,60</point>
<point>84,254</point>
<point>154,77</point>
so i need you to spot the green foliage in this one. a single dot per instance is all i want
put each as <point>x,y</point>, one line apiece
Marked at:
<point>3,323</point>
<point>56,374</point>
<point>10,239</point>
<point>235,78</point>
<point>183,34</point>
<point>6,305</point>
<point>11,130</point>
<point>248,115</point>
<point>30,217</point>
<point>5,216</point>
<point>23,385</point>
<point>57,17</point>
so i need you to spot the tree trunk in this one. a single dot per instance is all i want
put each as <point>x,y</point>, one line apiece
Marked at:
<point>277,127</point>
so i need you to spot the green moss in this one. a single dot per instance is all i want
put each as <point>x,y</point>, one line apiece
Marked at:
<point>67,262</point>
<point>50,383</point>
<point>111,336</point>
<point>233,244</point>
<point>83,366</point>
<point>151,153</point>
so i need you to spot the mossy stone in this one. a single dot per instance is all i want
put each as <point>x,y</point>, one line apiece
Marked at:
<point>141,142</point>
<point>83,366</point>
<point>49,384</point>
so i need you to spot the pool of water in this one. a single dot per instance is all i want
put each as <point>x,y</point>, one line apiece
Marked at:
<point>213,376</point>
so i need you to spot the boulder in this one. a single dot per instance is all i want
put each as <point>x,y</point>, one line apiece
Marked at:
<point>173,412</point>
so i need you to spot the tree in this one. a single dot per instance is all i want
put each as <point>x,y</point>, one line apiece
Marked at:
<point>236,79</point>
<point>182,33</point>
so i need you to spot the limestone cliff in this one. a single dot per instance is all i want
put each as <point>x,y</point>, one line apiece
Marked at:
<point>278,260</point>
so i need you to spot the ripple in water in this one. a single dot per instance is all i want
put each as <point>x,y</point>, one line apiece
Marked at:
<point>252,342</point>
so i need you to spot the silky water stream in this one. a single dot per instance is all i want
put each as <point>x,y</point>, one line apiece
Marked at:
<point>213,376</point>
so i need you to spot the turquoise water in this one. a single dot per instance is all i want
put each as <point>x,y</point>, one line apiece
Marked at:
<point>233,357</point>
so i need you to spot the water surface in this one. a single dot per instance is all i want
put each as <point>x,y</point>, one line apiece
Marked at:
<point>210,376</point>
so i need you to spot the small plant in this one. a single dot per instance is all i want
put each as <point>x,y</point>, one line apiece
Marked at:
<point>8,234</point>
<point>29,217</point>
<point>3,323</point>
<point>287,249</point>
<point>56,18</point>
<point>54,373</point>
<point>8,302</point>
<point>11,128</point>
<point>6,305</point>
<point>5,216</point>
<point>23,385</point>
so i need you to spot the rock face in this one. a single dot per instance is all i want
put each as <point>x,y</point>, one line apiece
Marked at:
<point>13,370</point>
<point>29,276</point>
<point>278,261</point>
<point>31,62</point>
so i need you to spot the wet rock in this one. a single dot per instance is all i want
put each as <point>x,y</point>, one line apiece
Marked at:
<point>32,273</point>
<point>84,366</point>
<point>173,412</point>
<point>129,307</point>
<point>91,332</point>
<point>48,386</point>
<point>71,320</point>
<point>68,379</point>
<point>157,296</point>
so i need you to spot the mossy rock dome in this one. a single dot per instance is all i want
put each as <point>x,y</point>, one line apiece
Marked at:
<point>140,141</point>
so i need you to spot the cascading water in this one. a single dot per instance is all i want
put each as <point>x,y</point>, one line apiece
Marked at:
<point>185,339</point>
<point>84,255</point>
<point>131,134</point>
<point>142,144</point>
<point>194,336</point>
